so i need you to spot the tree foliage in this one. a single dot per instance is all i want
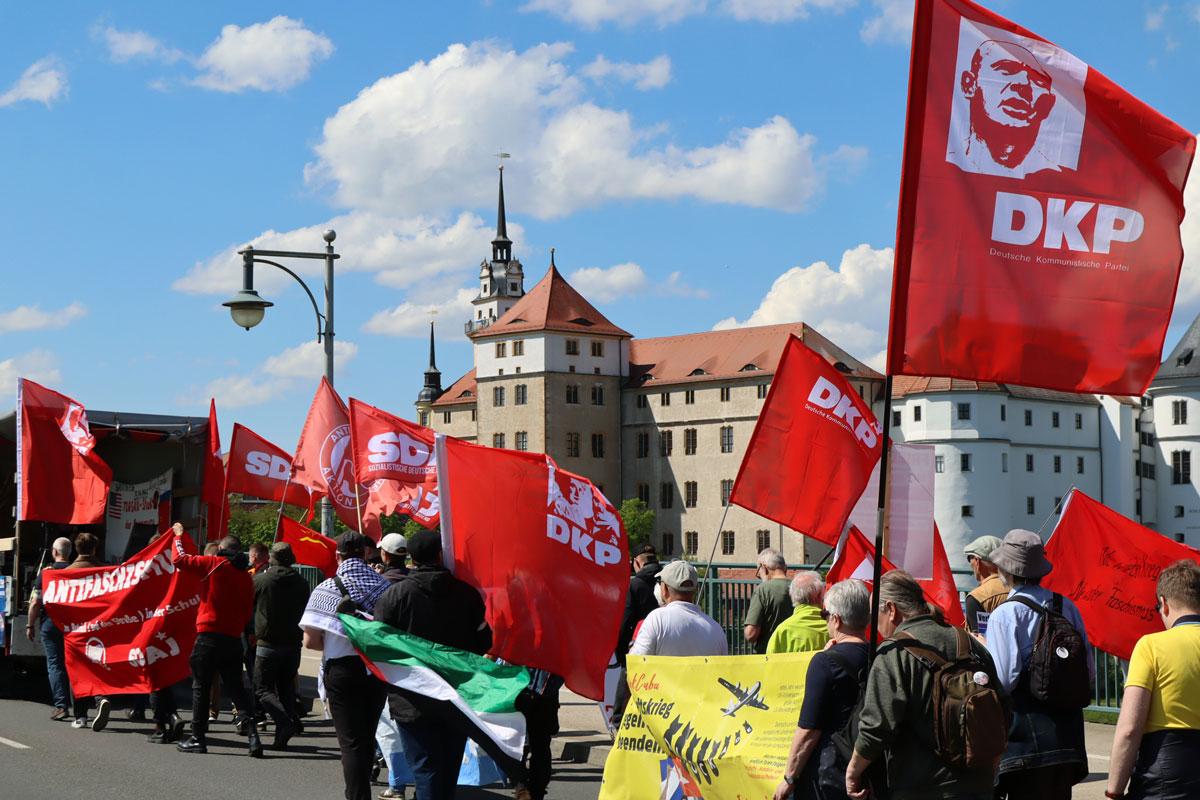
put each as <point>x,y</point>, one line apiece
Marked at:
<point>639,521</point>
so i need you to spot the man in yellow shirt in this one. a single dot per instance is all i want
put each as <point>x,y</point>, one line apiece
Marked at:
<point>805,630</point>
<point>1157,742</point>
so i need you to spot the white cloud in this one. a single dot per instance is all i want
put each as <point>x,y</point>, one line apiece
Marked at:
<point>654,74</point>
<point>606,284</point>
<point>402,252</point>
<point>412,318</point>
<point>130,45</point>
<point>43,82</point>
<point>1155,16</point>
<point>33,318</point>
<point>268,56</point>
<point>676,287</point>
<point>592,13</point>
<point>277,375</point>
<point>849,304</point>
<point>779,10</point>
<point>40,366</point>
<point>891,24</point>
<point>411,143</point>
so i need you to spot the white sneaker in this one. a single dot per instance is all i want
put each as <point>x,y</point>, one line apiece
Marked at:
<point>79,722</point>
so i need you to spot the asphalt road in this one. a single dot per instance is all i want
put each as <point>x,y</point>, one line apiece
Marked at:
<point>41,759</point>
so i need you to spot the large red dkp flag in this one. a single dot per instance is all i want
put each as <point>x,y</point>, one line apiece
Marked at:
<point>389,448</point>
<point>310,548</point>
<point>1109,566</point>
<point>547,550</point>
<point>813,448</point>
<point>260,469</point>
<point>1038,238</point>
<point>61,477</point>
<point>128,629</point>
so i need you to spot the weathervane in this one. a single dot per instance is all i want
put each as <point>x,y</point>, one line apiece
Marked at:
<point>502,155</point>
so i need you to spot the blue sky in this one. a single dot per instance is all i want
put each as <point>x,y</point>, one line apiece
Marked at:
<point>694,163</point>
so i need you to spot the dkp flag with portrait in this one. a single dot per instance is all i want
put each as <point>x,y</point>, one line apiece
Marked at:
<point>547,550</point>
<point>1038,237</point>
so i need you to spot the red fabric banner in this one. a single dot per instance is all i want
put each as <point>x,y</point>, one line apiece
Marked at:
<point>62,478</point>
<point>324,463</point>
<point>1038,237</point>
<point>551,558</point>
<point>311,548</point>
<point>857,560</point>
<point>1109,565</point>
<point>392,449</point>
<point>212,486</point>
<point>260,469</point>
<point>128,629</point>
<point>813,449</point>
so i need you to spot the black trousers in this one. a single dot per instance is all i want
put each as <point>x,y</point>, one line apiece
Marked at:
<point>162,703</point>
<point>1040,783</point>
<point>541,725</point>
<point>275,682</point>
<point>216,654</point>
<point>355,702</point>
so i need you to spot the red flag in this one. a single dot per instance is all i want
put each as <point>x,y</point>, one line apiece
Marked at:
<point>310,547</point>
<point>551,558</point>
<point>1109,565</point>
<point>62,478</point>
<point>813,448</point>
<point>260,469</point>
<point>212,486</point>
<point>1038,237</point>
<point>857,560</point>
<point>128,629</point>
<point>324,463</point>
<point>400,452</point>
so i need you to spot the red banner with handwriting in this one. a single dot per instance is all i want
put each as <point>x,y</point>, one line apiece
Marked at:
<point>128,629</point>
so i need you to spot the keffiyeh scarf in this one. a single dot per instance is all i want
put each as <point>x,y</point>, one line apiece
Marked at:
<point>363,584</point>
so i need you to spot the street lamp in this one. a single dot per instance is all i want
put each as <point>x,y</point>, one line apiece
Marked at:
<point>248,309</point>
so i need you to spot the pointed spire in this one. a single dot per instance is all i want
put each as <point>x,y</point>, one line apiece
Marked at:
<point>432,354</point>
<point>501,224</point>
<point>432,389</point>
<point>552,265</point>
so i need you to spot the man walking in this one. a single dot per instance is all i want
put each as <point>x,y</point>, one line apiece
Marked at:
<point>86,547</point>
<point>770,604</point>
<point>226,606</point>
<point>353,695</point>
<point>433,604</point>
<point>806,629</point>
<point>991,591</point>
<point>280,595</point>
<point>52,637</point>
<point>679,628</point>
<point>640,600</point>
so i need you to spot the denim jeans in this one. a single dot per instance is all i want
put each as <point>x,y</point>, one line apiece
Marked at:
<point>434,752</point>
<point>56,665</point>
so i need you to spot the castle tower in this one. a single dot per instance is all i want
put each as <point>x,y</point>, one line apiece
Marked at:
<point>502,279</point>
<point>432,389</point>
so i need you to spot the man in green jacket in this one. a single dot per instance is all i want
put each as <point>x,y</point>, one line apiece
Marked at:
<point>280,596</point>
<point>898,716</point>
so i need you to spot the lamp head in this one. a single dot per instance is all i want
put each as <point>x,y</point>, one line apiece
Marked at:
<point>247,308</point>
<point>329,236</point>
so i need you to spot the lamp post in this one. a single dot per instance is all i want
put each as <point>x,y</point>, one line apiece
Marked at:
<point>247,309</point>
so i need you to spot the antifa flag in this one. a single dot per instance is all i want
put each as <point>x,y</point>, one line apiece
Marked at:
<point>324,463</point>
<point>212,489</point>
<point>1109,565</point>
<point>260,469</point>
<point>813,448</point>
<point>552,559</point>
<point>857,560</point>
<point>1038,238</point>
<point>392,449</point>
<point>128,629</point>
<point>60,476</point>
<point>311,548</point>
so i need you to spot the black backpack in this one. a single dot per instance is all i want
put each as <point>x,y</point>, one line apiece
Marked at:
<point>835,756</point>
<point>1056,674</point>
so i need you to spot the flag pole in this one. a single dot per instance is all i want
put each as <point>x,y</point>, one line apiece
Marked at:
<point>282,498</point>
<point>358,503</point>
<point>880,511</point>
<point>713,554</point>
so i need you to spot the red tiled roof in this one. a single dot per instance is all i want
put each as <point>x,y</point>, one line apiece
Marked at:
<point>463,391</point>
<point>552,305</point>
<point>904,385</point>
<point>724,354</point>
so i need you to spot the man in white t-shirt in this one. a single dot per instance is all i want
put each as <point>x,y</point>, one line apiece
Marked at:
<point>679,627</point>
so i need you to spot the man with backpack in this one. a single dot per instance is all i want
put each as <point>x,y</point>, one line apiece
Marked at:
<point>933,709</point>
<point>1040,647</point>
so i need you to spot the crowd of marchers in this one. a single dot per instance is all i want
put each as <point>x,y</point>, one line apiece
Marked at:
<point>992,710</point>
<point>256,615</point>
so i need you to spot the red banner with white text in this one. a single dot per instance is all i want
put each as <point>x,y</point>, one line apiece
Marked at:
<point>1109,565</point>
<point>389,448</point>
<point>260,469</point>
<point>128,629</point>
<point>1038,239</point>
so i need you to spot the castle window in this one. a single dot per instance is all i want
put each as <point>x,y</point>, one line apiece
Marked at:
<point>497,396</point>
<point>520,394</point>
<point>519,347</point>
<point>689,397</point>
<point>763,388</point>
<point>664,399</point>
<point>691,494</point>
<point>1179,411</point>
<point>964,411</point>
<point>1079,465</point>
<point>724,394</point>
<point>572,395</point>
<point>572,347</point>
<point>726,491</point>
<point>728,543</point>
<point>643,492</point>
<point>1029,505</point>
<point>763,540</point>
<point>472,415</point>
<point>445,417</point>
<point>668,544</point>
<point>643,444</point>
<point>597,445</point>
<point>1079,422</point>
<point>916,413</point>
<point>691,542</point>
<point>689,441</point>
<point>512,286</point>
<point>665,443</point>
<point>666,495</point>
<point>1054,419</point>
<point>727,439</point>
<point>522,442</point>
<point>1028,418</point>
<point>573,445</point>
<point>597,349</point>
<point>1181,466</point>
<point>597,395</point>
<point>500,348</point>
<point>641,401</point>
<point>497,440</point>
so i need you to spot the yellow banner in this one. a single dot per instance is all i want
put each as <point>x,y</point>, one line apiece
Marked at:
<point>710,727</point>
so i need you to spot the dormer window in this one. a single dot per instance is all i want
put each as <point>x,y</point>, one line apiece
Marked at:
<point>587,323</point>
<point>1184,359</point>
<point>749,368</point>
<point>696,372</point>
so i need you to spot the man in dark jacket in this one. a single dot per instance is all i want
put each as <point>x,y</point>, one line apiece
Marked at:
<point>431,603</point>
<point>639,602</point>
<point>280,595</point>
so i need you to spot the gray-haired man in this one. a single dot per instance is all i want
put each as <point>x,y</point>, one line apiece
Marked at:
<point>770,604</point>
<point>52,638</point>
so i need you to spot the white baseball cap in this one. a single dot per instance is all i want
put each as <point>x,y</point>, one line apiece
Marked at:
<point>395,544</point>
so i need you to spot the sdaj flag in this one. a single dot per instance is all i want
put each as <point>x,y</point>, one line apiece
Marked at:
<point>1038,237</point>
